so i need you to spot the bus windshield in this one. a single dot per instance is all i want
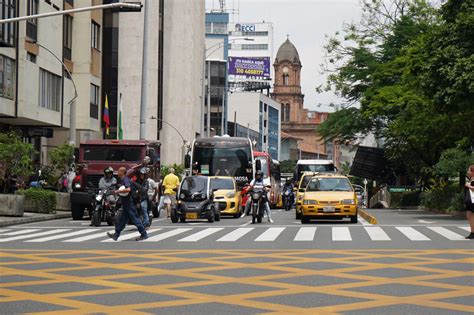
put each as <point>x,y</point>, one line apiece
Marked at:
<point>234,162</point>
<point>322,168</point>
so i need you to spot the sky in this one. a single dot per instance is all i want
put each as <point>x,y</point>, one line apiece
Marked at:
<point>307,22</point>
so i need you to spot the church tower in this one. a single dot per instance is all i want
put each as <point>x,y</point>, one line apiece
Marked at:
<point>287,87</point>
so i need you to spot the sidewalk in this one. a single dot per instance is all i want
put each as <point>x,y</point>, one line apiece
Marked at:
<point>30,217</point>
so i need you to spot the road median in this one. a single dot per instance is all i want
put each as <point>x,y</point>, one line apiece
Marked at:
<point>367,216</point>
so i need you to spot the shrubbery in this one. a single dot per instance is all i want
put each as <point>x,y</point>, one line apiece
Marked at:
<point>443,197</point>
<point>405,199</point>
<point>39,200</point>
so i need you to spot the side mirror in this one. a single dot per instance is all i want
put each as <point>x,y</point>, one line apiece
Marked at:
<point>258,165</point>
<point>187,161</point>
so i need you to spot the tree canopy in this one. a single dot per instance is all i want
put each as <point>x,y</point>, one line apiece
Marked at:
<point>409,70</point>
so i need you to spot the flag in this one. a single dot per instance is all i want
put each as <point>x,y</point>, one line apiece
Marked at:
<point>106,117</point>
<point>119,125</point>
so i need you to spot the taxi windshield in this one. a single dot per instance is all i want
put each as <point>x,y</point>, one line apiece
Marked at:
<point>329,184</point>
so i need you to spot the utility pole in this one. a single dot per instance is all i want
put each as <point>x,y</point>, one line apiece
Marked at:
<point>144,86</point>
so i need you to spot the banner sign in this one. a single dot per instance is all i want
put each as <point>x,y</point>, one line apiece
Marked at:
<point>250,67</point>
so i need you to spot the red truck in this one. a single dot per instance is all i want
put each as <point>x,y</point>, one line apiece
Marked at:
<point>96,155</point>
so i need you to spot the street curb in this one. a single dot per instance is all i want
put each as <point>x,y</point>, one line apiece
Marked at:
<point>22,220</point>
<point>367,217</point>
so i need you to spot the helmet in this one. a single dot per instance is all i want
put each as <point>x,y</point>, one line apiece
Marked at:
<point>108,170</point>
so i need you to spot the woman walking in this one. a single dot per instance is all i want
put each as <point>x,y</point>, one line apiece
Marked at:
<point>469,199</point>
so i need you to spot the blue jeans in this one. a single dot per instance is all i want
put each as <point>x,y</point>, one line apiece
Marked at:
<point>129,212</point>
<point>144,206</point>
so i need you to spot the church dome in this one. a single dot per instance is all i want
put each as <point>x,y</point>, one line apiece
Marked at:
<point>287,51</point>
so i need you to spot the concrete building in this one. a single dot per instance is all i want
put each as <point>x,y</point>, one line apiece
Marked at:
<point>35,91</point>
<point>174,76</point>
<point>258,117</point>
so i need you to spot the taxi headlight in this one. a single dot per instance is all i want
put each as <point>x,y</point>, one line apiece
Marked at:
<point>230,194</point>
<point>310,202</point>
<point>348,202</point>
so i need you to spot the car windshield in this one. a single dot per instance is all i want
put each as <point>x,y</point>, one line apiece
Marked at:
<point>329,184</point>
<point>305,181</point>
<point>194,185</point>
<point>112,154</point>
<point>222,183</point>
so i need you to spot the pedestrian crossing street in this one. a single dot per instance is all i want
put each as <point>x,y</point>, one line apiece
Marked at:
<point>235,234</point>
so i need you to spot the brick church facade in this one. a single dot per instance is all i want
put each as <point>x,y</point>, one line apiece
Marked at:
<point>297,121</point>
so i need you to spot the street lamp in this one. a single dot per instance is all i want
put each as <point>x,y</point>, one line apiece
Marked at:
<point>206,54</point>
<point>72,102</point>
<point>185,142</point>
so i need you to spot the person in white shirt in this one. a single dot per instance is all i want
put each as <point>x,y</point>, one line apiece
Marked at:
<point>262,183</point>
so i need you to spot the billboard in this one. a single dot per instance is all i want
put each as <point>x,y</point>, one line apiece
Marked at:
<point>250,67</point>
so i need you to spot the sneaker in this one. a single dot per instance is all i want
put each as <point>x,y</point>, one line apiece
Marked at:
<point>112,236</point>
<point>243,215</point>
<point>270,220</point>
<point>141,238</point>
<point>470,236</point>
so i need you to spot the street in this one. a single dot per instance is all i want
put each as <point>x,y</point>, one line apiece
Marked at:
<point>411,262</point>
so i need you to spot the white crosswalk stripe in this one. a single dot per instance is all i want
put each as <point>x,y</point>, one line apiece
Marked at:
<point>19,232</point>
<point>165,235</point>
<point>466,228</point>
<point>305,234</point>
<point>129,236</point>
<point>269,235</point>
<point>200,235</point>
<point>235,235</point>
<point>101,234</point>
<point>21,237</point>
<point>4,230</point>
<point>412,234</point>
<point>376,233</point>
<point>450,235</point>
<point>341,234</point>
<point>59,236</point>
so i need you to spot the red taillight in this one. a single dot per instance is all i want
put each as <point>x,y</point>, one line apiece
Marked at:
<point>76,179</point>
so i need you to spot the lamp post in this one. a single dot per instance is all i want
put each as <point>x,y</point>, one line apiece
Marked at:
<point>185,142</point>
<point>206,54</point>
<point>72,102</point>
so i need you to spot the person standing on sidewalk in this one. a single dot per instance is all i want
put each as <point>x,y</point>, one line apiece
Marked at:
<point>128,209</point>
<point>170,184</point>
<point>469,199</point>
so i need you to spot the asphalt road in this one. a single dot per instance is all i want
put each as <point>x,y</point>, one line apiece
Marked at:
<point>411,262</point>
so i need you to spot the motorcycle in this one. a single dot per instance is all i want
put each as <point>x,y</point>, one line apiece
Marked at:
<point>257,203</point>
<point>104,209</point>
<point>288,198</point>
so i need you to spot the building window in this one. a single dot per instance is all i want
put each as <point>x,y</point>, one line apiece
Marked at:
<point>50,93</point>
<point>30,57</point>
<point>219,28</point>
<point>94,109</point>
<point>7,30</point>
<point>285,112</point>
<point>32,24</point>
<point>71,2</point>
<point>95,35</point>
<point>254,46</point>
<point>208,28</point>
<point>67,37</point>
<point>255,33</point>
<point>285,79</point>
<point>7,77</point>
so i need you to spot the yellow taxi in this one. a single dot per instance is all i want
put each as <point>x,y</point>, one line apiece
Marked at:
<point>226,195</point>
<point>300,189</point>
<point>329,197</point>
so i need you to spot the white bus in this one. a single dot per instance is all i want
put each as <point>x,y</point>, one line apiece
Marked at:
<point>321,166</point>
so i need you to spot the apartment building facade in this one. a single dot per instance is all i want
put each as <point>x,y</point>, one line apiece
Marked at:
<point>36,57</point>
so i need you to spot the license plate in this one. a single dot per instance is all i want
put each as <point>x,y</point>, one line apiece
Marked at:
<point>329,209</point>
<point>191,215</point>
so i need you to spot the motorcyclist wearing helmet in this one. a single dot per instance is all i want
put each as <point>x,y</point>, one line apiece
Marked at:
<point>259,181</point>
<point>108,180</point>
<point>288,186</point>
<point>142,185</point>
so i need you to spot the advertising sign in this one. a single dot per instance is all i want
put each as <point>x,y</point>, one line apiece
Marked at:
<point>250,67</point>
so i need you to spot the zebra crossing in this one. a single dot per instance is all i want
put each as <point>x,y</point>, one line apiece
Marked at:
<point>195,234</point>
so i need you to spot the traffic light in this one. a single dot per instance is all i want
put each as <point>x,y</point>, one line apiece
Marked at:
<point>135,6</point>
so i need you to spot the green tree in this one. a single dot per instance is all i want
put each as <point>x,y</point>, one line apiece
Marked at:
<point>287,166</point>
<point>178,170</point>
<point>15,155</point>
<point>61,157</point>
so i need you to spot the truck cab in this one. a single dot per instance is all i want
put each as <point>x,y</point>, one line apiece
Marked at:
<point>96,155</point>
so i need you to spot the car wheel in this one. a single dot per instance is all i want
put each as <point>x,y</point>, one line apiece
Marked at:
<point>77,212</point>
<point>174,216</point>
<point>217,215</point>
<point>298,215</point>
<point>210,216</point>
<point>253,218</point>
<point>156,212</point>
<point>239,213</point>
<point>182,218</point>
<point>354,219</point>
<point>304,219</point>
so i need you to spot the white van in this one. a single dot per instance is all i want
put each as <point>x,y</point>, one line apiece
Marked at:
<point>320,166</point>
